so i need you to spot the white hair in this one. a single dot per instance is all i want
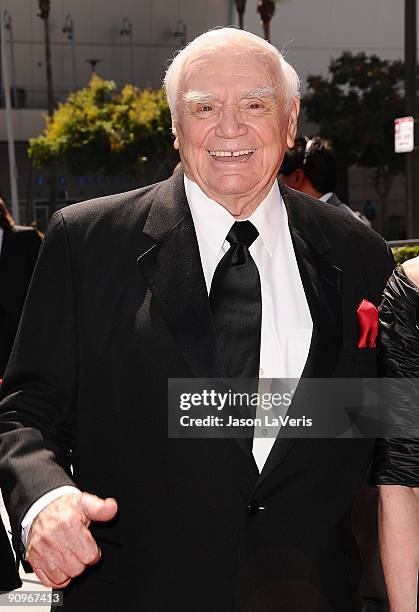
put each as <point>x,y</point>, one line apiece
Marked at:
<point>239,40</point>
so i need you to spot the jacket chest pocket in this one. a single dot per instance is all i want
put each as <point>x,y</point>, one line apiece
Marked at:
<point>366,362</point>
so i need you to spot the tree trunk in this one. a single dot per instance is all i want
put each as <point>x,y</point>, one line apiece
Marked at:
<point>44,11</point>
<point>240,6</point>
<point>266,10</point>
<point>48,65</point>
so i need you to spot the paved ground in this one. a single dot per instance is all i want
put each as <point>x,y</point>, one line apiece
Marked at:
<point>30,581</point>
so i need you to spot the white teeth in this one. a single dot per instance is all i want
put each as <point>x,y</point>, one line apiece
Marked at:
<point>231,153</point>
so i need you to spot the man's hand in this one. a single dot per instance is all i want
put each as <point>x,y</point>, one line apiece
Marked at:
<point>60,545</point>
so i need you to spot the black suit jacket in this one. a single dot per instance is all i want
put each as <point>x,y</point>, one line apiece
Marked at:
<point>120,305</point>
<point>18,255</point>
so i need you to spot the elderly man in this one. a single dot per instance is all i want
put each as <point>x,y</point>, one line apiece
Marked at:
<point>215,272</point>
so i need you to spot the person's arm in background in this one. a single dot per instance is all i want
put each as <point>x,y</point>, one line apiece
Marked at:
<point>396,462</point>
<point>398,527</point>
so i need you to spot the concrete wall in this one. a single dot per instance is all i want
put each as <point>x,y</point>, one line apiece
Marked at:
<point>27,123</point>
<point>312,32</point>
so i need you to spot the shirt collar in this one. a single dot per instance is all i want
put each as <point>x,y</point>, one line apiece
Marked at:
<point>213,222</point>
<point>325,197</point>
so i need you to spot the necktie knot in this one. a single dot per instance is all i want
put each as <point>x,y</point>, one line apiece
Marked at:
<point>242,232</point>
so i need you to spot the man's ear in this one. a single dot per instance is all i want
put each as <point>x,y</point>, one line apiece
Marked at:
<point>174,132</point>
<point>293,122</point>
<point>295,179</point>
<point>299,177</point>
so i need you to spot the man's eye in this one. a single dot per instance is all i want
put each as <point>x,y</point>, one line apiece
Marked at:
<point>255,105</point>
<point>205,108</point>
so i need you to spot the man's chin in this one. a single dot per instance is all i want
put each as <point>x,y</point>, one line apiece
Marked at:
<point>231,188</point>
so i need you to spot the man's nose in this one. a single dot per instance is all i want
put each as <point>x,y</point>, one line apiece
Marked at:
<point>230,125</point>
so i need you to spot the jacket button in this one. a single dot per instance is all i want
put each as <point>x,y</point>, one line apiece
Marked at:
<point>253,508</point>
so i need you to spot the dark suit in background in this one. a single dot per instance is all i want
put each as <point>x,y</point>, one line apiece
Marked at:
<point>18,256</point>
<point>336,201</point>
<point>19,250</point>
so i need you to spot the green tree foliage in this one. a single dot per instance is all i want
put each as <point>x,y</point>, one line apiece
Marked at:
<point>402,254</point>
<point>355,107</point>
<point>101,129</point>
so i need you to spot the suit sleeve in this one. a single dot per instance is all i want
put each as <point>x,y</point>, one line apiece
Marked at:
<point>38,394</point>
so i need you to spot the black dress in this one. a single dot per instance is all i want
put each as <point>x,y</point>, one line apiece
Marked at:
<point>396,460</point>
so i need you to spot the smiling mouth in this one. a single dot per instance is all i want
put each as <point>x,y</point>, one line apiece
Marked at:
<point>232,156</point>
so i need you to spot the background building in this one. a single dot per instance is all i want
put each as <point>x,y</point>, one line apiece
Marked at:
<point>122,38</point>
<point>128,38</point>
<point>311,34</point>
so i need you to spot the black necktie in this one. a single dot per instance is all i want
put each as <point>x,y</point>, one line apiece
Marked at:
<point>236,303</point>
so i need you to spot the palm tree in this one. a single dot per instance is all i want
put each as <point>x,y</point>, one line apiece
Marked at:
<point>266,10</point>
<point>44,11</point>
<point>240,6</point>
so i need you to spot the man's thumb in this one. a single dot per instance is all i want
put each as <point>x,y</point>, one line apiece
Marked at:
<point>98,509</point>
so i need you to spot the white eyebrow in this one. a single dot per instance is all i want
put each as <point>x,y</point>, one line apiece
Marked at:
<point>198,97</point>
<point>260,92</point>
<point>202,96</point>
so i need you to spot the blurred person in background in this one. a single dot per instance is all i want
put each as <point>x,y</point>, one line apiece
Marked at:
<point>18,252</point>
<point>19,246</point>
<point>310,167</point>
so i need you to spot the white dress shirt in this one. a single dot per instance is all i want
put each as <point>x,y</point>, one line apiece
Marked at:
<point>1,238</point>
<point>286,321</point>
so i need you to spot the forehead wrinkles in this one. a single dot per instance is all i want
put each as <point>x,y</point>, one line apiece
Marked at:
<point>212,61</point>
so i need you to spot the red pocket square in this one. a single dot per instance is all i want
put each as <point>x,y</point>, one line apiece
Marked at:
<point>367,315</point>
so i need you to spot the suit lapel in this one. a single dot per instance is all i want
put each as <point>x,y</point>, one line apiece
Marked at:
<point>171,263</point>
<point>322,282</point>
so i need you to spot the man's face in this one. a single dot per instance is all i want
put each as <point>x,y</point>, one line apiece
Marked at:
<point>232,129</point>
